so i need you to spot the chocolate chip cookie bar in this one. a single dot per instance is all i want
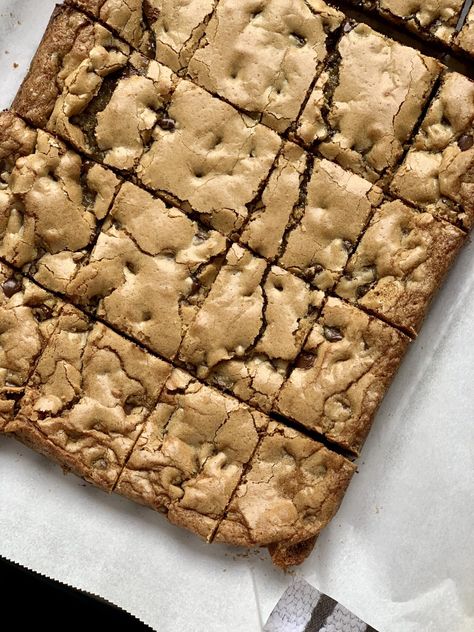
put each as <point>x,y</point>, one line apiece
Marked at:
<point>342,375</point>
<point>28,317</point>
<point>263,56</point>
<point>88,398</point>
<point>52,202</point>
<point>437,174</point>
<point>399,264</point>
<point>289,493</point>
<point>250,327</point>
<point>166,30</point>
<point>367,102</point>
<point>149,270</point>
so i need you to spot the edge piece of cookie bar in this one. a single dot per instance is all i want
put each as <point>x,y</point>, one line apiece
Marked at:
<point>166,30</point>
<point>88,398</point>
<point>437,173</point>
<point>28,317</point>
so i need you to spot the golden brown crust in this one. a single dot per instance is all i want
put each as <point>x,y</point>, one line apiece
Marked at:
<point>342,375</point>
<point>399,264</point>
<point>67,31</point>
<point>287,555</point>
<point>293,488</point>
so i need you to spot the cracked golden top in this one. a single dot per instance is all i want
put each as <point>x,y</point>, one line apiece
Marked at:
<point>221,224</point>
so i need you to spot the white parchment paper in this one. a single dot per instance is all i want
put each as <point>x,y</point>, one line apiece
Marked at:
<point>400,553</point>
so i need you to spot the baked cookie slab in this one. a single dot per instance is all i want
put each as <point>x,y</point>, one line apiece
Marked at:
<point>191,454</point>
<point>135,115</point>
<point>167,30</point>
<point>367,101</point>
<point>437,174</point>
<point>342,375</point>
<point>399,264</point>
<point>149,271</point>
<point>434,20</point>
<point>88,398</point>
<point>262,55</point>
<point>28,316</point>
<point>292,489</point>
<point>310,216</point>
<point>52,203</point>
<point>250,327</point>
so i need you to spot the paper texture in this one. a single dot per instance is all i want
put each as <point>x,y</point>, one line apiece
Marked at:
<point>400,553</point>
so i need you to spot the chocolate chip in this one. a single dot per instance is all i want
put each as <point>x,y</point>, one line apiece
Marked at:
<point>332,334</point>
<point>310,273</point>
<point>168,124</point>
<point>362,290</point>
<point>304,361</point>
<point>11,287</point>
<point>347,28</point>
<point>42,313</point>
<point>465,142</point>
<point>150,12</point>
<point>299,39</point>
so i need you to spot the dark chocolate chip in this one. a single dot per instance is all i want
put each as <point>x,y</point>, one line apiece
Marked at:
<point>11,287</point>
<point>332,334</point>
<point>362,290</point>
<point>465,142</point>
<point>168,124</point>
<point>304,361</point>
<point>310,273</point>
<point>150,12</point>
<point>42,313</point>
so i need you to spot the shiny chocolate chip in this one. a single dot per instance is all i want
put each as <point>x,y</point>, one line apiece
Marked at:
<point>304,361</point>
<point>168,124</point>
<point>332,334</point>
<point>465,142</point>
<point>11,287</point>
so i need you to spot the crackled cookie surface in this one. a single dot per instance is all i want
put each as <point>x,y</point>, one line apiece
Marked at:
<point>438,171</point>
<point>367,101</point>
<point>150,270</point>
<point>190,456</point>
<point>465,39</point>
<point>399,264</point>
<point>51,203</point>
<point>262,55</point>
<point>251,326</point>
<point>339,380</point>
<point>28,316</point>
<point>88,398</point>
<point>290,492</point>
<point>168,30</point>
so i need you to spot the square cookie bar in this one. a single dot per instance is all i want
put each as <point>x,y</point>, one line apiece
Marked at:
<point>432,19</point>
<point>291,490</point>
<point>150,270</point>
<point>342,375</point>
<point>250,327</point>
<point>367,101</point>
<point>52,203</point>
<point>438,172</point>
<point>167,30</point>
<point>262,55</point>
<point>191,454</point>
<point>28,316</point>
<point>135,115</point>
<point>399,264</point>
<point>310,216</point>
<point>88,398</point>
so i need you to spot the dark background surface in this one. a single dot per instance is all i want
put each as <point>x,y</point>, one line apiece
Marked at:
<point>39,601</point>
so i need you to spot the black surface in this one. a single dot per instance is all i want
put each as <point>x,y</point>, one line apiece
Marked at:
<point>38,601</point>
